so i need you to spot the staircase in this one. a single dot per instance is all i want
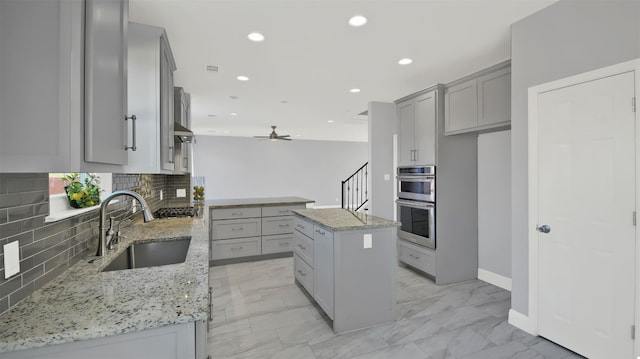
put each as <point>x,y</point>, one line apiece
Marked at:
<point>355,189</point>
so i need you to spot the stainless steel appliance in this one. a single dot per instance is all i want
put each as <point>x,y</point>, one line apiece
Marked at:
<point>417,222</point>
<point>417,183</point>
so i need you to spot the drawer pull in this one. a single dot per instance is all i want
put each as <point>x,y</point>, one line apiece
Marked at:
<point>236,228</point>
<point>284,225</point>
<point>236,214</point>
<point>300,226</point>
<point>302,273</point>
<point>284,211</point>
<point>210,303</point>
<point>302,247</point>
<point>236,248</point>
<point>321,232</point>
<point>283,244</point>
<point>414,257</point>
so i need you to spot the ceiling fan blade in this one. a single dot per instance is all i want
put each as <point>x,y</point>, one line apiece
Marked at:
<point>261,136</point>
<point>285,139</point>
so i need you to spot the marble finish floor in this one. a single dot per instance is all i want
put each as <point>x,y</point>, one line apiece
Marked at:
<point>259,312</point>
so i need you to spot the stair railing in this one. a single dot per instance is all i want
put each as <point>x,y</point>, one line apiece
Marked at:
<point>355,189</point>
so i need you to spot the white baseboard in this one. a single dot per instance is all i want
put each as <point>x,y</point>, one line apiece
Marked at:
<point>522,322</point>
<point>495,279</point>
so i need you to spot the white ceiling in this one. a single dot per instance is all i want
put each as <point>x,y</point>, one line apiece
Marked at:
<point>311,57</point>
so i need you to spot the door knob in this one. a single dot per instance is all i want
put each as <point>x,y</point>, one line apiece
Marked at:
<point>544,228</point>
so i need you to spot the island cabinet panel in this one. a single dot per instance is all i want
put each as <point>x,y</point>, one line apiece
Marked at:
<point>167,342</point>
<point>353,267</point>
<point>265,224</point>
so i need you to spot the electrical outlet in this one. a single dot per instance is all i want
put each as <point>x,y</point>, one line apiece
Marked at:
<point>161,195</point>
<point>11,259</point>
<point>368,240</point>
<point>181,192</point>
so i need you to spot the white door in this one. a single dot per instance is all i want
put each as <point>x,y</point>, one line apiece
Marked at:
<point>586,195</point>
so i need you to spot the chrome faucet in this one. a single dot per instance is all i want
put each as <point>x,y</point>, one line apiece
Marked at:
<point>146,213</point>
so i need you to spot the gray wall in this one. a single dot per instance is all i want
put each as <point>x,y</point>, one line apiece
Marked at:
<point>382,127</point>
<point>494,202</point>
<point>239,167</point>
<point>564,39</point>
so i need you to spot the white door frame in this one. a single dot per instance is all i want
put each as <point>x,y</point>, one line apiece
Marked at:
<point>634,65</point>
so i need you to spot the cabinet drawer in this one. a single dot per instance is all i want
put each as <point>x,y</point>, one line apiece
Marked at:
<point>237,212</point>
<point>320,233</point>
<point>277,225</point>
<point>303,247</point>
<point>277,243</point>
<point>235,228</point>
<point>303,273</point>
<point>421,258</point>
<point>233,248</point>
<point>274,211</point>
<point>303,226</point>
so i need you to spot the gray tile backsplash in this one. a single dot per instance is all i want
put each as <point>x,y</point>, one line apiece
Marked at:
<point>48,249</point>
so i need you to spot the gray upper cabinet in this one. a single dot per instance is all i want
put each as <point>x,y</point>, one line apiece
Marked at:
<point>106,81</point>
<point>417,130</point>
<point>479,102</point>
<point>150,69</point>
<point>59,111</point>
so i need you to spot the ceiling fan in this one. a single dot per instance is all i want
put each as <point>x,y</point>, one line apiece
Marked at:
<point>274,136</point>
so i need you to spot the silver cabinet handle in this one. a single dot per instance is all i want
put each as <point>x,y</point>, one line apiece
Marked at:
<point>283,244</point>
<point>284,225</point>
<point>302,273</point>
<point>300,226</point>
<point>320,232</point>
<point>302,247</point>
<point>133,132</point>
<point>237,228</point>
<point>545,228</point>
<point>284,211</point>
<point>236,214</point>
<point>236,248</point>
<point>171,160</point>
<point>414,257</point>
<point>210,304</point>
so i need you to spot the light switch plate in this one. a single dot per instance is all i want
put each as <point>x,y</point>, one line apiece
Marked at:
<point>181,192</point>
<point>368,240</point>
<point>11,259</point>
<point>161,195</point>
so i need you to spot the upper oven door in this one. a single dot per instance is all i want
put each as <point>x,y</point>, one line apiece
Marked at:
<point>417,188</point>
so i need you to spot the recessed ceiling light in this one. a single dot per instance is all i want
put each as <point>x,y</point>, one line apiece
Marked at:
<point>331,121</point>
<point>242,78</point>
<point>256,36</point>
<point>234,114</point>
<point>212,131</point>
<point>298,135</point>
<point>284,101</point>
<point>357,21</point>
<point>211,115</point>
<point>354,90</point>
<point>405,61</point>
<point>226,131</point>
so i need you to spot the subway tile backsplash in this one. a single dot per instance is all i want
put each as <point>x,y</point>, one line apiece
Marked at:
<point>48,249</point>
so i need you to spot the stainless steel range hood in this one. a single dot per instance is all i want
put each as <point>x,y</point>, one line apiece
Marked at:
<point>183,134</point>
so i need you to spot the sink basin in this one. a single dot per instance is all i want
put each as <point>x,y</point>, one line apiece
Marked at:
<point>150,254</point>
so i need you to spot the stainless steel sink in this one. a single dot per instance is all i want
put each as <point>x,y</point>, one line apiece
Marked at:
<point>150,254</point>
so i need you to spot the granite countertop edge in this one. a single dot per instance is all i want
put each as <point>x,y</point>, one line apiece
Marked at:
<point>339,219</point>
<point>84,303</point>
<point>254,202</point>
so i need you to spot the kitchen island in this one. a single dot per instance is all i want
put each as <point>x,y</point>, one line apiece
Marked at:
<point>157,312</point>
<point>347,262</point>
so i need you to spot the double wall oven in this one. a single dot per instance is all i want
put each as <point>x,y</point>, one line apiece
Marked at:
<point>416,204</point>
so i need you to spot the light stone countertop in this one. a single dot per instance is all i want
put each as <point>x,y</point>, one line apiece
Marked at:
<point>84,303</point>
<point>339,219</point>
<point>252,202</point>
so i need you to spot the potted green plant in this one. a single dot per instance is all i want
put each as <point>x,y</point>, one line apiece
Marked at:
<point>82,193</point>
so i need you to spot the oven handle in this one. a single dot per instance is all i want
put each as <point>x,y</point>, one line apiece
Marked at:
<point>413,204</point>
<point>416,178</point>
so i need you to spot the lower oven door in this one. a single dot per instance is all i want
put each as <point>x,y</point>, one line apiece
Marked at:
<point>417,222</point>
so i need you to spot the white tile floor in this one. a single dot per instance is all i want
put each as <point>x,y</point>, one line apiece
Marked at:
<point>259,312</point>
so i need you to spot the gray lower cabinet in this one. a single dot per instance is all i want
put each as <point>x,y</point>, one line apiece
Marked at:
<point>168,342</point>
<point>479,102</point>
<point>417,256</point>
<point>249,231</point>
<point>354,285</point>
